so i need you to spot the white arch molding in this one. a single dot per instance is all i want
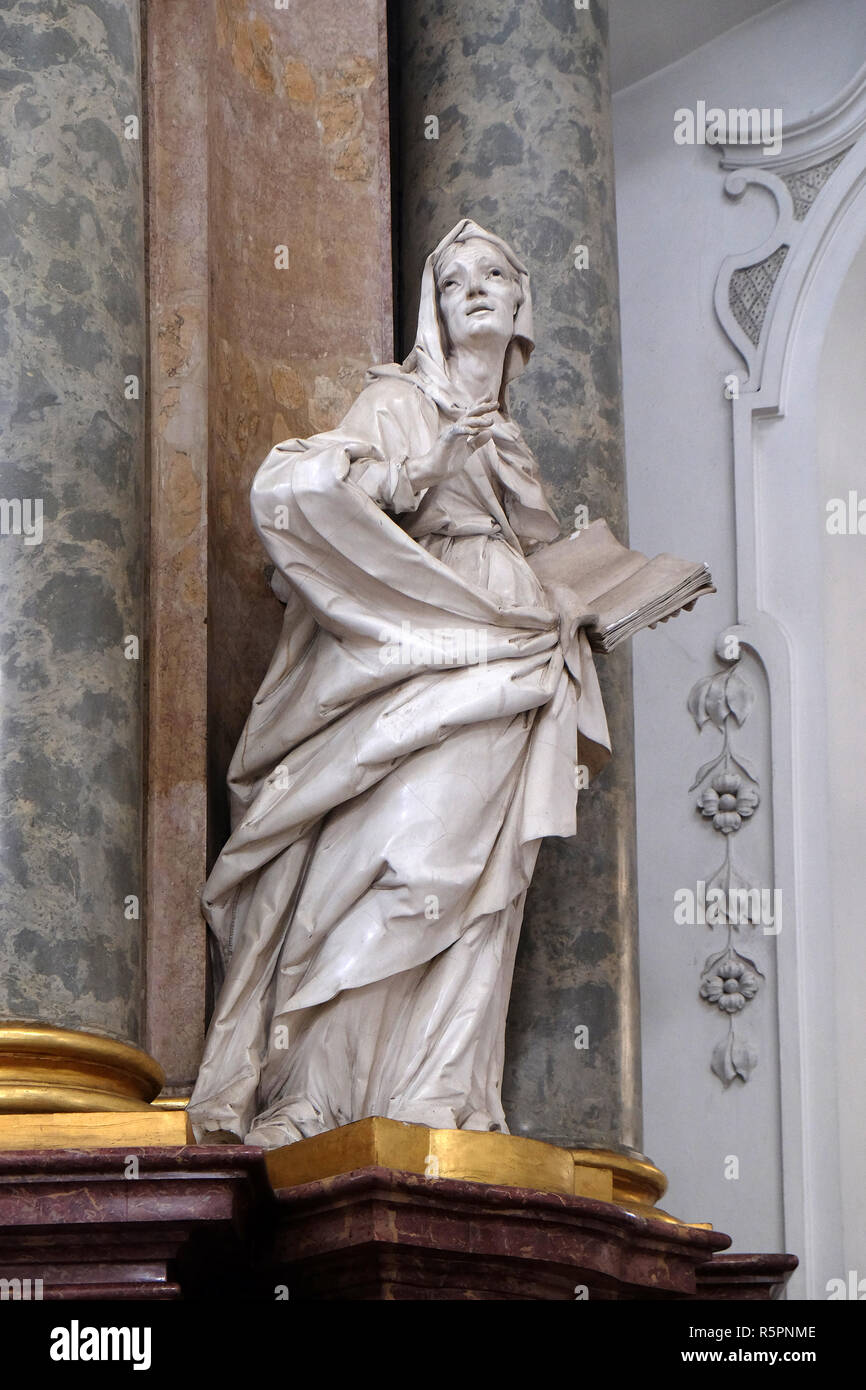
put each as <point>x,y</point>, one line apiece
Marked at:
<point>791,297</point>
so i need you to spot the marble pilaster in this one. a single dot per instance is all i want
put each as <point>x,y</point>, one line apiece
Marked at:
<point>178,51</point>
<point>300,290</point>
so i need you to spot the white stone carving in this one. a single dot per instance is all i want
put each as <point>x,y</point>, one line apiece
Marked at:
<point>728,797</point>
<point>414,739</point>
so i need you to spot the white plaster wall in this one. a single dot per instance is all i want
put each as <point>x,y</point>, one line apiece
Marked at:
<point>675,228</point>
<point>842,453</point>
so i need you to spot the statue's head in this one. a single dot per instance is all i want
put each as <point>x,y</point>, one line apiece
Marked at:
<point>478,294</point>
<point>473,288</point>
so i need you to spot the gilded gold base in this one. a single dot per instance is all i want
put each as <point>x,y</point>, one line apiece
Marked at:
<point>44,1070</point>
<point>98,1130</point>
<point>637,1184</point>
<point>507,1160</point>
<point>170,1103</point>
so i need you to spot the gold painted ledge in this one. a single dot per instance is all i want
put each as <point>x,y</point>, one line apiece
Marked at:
<point>98,1130</point>
<point>506,1160</point>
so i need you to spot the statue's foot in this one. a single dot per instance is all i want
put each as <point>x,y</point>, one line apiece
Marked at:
<point>220,1136</point>
<point>484,1122</point>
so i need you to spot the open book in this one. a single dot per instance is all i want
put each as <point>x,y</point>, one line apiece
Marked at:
<point>612,591</point>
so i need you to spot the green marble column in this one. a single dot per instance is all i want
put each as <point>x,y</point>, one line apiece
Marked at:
<point>521,142</point>
<point>72,352</point>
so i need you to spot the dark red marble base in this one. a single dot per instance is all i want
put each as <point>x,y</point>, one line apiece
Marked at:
<point>376,1234</point>
<point>752,1277</point>
<point>73,1219</point>
<point>203,1223</point>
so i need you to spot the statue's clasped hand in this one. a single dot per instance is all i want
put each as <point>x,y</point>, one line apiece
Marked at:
<point>454,446</point>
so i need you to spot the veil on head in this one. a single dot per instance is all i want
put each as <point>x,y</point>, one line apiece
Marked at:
<point>526,505</point>
<point>428,357</point>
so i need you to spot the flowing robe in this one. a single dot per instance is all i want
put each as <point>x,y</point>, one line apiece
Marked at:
<point>414,738</point>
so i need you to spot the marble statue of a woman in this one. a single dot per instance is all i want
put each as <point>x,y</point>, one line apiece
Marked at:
<point>414,739</point>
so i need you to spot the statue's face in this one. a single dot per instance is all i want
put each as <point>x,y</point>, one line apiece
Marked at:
<point>478,294</point>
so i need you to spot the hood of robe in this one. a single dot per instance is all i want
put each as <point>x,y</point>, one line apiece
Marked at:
<point>428,359</point>
<point>427,367</point>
